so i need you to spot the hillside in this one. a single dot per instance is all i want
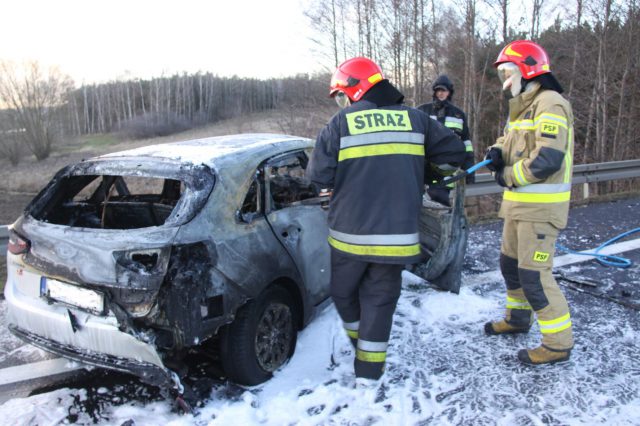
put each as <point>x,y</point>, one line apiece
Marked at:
<point>19,184</point>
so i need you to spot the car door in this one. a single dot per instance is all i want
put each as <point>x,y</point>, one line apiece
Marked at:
<point>298,218</point>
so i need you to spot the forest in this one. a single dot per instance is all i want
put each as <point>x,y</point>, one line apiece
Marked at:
<point>593,47</point>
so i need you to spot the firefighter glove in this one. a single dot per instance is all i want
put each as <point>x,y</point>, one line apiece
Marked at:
<point>495,155</point>
<point>499,177</point>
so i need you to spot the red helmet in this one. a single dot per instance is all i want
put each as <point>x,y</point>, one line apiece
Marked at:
<point>355,77</point>
<point>530,58</point>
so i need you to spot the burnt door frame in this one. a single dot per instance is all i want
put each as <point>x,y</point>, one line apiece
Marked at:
<point>300,224</point>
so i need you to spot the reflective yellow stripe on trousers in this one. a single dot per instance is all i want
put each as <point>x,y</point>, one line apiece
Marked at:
<point>371,351</point>
<point>555,325</point>
<point>513,303</point>
<point>352,328</point>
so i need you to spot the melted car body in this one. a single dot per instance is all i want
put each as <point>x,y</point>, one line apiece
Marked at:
<point>130,260</point>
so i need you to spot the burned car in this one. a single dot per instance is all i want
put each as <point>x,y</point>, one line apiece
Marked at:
<point>131,260</point>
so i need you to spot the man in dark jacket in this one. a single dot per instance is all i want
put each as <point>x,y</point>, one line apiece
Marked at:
<point>371,157</point>
<point>444,111</point>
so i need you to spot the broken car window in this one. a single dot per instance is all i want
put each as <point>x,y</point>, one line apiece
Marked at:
<point>287,182</point>
<point>251,205</point>
<point>124,194</point>
<point>114,202</point>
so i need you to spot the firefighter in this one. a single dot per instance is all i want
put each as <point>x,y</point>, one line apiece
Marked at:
<point>443,110</point>
<point>371,158</point>
<point>533,162</point>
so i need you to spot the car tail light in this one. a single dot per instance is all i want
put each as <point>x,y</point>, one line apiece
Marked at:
<point>17,244</point>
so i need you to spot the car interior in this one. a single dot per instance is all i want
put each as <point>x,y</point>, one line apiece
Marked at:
<point>112,202</point>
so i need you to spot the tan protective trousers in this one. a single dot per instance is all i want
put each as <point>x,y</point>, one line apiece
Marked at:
<point>526,263</point>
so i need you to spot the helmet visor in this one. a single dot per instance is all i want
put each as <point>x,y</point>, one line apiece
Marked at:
<point>507,70</point>
<point>342,99</point>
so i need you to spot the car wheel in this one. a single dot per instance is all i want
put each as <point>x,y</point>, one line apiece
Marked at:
<point>261,339</point>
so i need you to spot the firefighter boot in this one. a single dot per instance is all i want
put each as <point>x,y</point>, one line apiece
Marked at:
<point>503,327</point>
<point>518,315</point>
<point>543,355</point>
<point>516,321</point>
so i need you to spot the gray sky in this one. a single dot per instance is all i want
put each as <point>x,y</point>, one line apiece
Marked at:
<point>98,40</point>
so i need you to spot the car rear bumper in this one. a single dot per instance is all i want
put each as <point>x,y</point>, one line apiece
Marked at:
<point>78,335</point>
<point>149,373</point>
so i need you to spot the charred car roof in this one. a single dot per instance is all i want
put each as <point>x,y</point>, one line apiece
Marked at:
<point>218,152</point>
<point>194,162</point>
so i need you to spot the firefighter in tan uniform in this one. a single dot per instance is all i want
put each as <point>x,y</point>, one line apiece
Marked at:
<point>533,161</point>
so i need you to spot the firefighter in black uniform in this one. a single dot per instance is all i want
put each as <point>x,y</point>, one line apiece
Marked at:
<point>371,157</point>
<point>443,110</point>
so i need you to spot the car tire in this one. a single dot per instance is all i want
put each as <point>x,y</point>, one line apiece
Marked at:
<point>261,339</point>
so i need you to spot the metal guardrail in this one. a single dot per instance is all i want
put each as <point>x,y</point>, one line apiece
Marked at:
<point>4,240</point>
<point>485,184</point>
<point>582,174</point>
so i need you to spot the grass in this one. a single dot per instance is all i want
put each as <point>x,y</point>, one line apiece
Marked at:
<point>87,143</point>
<point>98,141</point>
<point>30,176</point>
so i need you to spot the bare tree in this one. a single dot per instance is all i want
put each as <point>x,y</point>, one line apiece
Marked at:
<point>469,82</point>
<point>504,10</point>
<point>10,146</point>
<point>629,62</point>
<point>37,97</point>
<point>535,19</point>
<point>324,17</point>
<point>602,78</point>
<point>576,45</point>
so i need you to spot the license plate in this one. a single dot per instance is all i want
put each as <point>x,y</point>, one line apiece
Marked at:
<point>72,295</point>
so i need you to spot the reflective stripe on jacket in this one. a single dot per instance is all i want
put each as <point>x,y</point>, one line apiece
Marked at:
<point>455,119</point>
<point>537,148</point>
<point>374,159</point>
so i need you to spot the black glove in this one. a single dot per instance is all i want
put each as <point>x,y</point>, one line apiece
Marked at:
<point>439,195</point>
<point>495,155</point>
<point>431,176</point>
<point>470,178</point>
<point>499,177</point>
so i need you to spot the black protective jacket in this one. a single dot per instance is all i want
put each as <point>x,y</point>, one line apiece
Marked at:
<point>372,154</point>
<point>453,118</point>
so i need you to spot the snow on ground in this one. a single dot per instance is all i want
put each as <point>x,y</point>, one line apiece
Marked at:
<point>441,368</point>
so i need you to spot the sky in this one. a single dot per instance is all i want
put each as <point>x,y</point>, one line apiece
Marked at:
<point>97,40</point>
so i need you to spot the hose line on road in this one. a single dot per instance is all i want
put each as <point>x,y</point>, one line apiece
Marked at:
<point>605,259</point>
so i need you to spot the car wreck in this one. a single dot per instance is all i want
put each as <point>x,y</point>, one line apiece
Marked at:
<point>131,260</point>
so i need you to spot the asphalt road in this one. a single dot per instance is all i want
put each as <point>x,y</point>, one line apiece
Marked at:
<point>589,226</point>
